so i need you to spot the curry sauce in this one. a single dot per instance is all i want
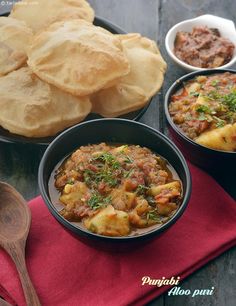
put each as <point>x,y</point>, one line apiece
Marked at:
<point>115,190</point>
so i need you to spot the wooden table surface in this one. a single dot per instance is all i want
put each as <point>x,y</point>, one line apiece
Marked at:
<point>153,18</point>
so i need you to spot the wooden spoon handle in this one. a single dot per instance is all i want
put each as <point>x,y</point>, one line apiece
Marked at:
<point>17,253</point>
<point>4,303</point>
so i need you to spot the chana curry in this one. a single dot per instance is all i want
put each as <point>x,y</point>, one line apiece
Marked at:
<point>205,110</point>
<point>116,190</point>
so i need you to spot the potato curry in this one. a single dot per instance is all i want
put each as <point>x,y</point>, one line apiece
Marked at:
<point>117,190</point>
<point>205,110</point>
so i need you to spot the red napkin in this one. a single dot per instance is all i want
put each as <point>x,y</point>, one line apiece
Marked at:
<point>67,272</point>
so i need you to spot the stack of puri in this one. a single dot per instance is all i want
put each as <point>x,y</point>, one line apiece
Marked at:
<point>55,70</point>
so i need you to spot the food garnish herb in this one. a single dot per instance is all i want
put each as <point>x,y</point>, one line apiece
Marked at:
<point>97,201</point>
<point>227,99</point>
<point>106,170</point>
<point>108,159</point>
<point>141,189</point>
<point>204,112</point>
<point>194,93</point>
<point>128,159</point>
<point>204,109</point>
<point>70,181</point>
<point>230,100</point>
<point>128,173</point>
<point>213,95</point>
<point>105,175</point>
<point>188,117</point>
<point>88,176</point>
<point>219,122</point>
<point>108,177</point>
<point>153,215</point>
<point>215,83</point>
<point>202,117</point>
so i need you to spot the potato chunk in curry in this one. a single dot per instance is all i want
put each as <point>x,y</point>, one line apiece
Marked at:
<point>109,222</point>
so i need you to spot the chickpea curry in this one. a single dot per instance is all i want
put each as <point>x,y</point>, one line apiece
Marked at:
<point>116,190</point>
<point>205,110</point>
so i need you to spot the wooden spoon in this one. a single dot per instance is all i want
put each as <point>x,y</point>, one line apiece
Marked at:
<point>15,219</point>
<point>4,303</point>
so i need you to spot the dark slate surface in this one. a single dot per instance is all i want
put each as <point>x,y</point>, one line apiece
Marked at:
<point>153,18</point>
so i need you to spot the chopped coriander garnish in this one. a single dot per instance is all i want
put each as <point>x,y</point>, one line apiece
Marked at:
<point>97,201</point>
<point>107,165</point>
<point>230,100</point>
<point>215,83</point>
<point>205,112</point>
<point>188,117</point>
<point>141,189</point>
<point>104,174</point>
<point>70,181</point>
<point>213,95</point>
<point>153,215</point>
<point>219,122</point>
<point>203,109</point>
<point>230,117</point>
<point>128,173</point>
<point>202,117</point>
<point>109,159</point>
<point>107,177</point>
<point>194,93</point>
<point>88,174</point>
<point>227,99</point>
<point>128,159</point>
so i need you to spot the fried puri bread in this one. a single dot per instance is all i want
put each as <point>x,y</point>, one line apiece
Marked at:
<point>33,108</point>
<point>118,100</point>
<point>144,80</point>
<point>77,57</point>
<point>14,37</point>
<point>41,13</point>
<point>148,66</point>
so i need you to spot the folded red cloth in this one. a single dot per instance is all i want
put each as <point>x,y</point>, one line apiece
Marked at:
<point>67,272</point>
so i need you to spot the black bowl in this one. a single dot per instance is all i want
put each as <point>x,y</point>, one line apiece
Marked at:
<point>117,131</point>
<point>208,159</point>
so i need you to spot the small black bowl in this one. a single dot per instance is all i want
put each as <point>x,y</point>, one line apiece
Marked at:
<point>211,160</point>
<point>112,131</point>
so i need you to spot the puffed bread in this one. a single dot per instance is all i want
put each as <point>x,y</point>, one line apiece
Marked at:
<point>33,108</point>
<point>118,100</point>
<point>14,37</point>
<point>144,80</point>
<point>77,57</point>
<point>41,13</point>
<point>148,66</point>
